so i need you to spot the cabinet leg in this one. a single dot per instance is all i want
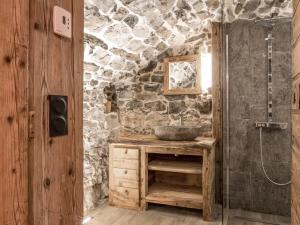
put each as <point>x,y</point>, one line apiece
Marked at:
<point>144,205</point>
<point>144,178</point>
<point>208,184</point>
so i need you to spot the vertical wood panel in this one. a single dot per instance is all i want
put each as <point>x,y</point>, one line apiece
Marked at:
<point>295,4</point>
<point>13,112</point>
<point>296,123</point>
<point>56,184</point>
<point>216,109</point>
<point>296,56</point>
<point>78,7</point>
<point>296,25</point>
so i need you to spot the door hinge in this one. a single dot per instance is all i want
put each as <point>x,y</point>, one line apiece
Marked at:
<point>31,124</point>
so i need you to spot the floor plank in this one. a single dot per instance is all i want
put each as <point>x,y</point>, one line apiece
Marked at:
<point>155,215</point>
<point>168,215</point>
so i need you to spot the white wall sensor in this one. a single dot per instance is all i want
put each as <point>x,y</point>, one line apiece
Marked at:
<point>62,22</point>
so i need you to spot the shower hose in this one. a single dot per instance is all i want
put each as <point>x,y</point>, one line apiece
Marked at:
<point>262,162</point>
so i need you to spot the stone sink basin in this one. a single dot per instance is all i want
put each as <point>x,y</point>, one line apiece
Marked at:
<point>177,133</point>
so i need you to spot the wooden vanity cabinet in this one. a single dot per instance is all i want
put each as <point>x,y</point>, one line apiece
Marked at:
<point>170,173</point>
<point>124,177</point>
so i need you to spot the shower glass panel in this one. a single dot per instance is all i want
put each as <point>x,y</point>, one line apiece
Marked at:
<point>257,121</point>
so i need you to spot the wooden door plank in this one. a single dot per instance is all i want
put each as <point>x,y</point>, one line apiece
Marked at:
<point>14,75</point>
<point>56,66</point>
<point>217,103</point>
<point>78,26</point>
<point>295,4</point>
<point>296,56</point>
<point>296,24</point>
<point>295,186</point>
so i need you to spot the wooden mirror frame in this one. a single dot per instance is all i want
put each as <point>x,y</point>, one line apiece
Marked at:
<point>179,91</point>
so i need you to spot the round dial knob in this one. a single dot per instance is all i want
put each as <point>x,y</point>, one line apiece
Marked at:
<point>59,124</point>
<point>60,105</point>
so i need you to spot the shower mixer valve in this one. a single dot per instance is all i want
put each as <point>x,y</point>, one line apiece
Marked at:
<point>271,125</point>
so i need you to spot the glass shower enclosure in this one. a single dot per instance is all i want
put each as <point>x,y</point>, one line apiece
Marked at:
<point>257,121</point>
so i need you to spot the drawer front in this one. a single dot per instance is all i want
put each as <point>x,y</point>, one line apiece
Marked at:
<point>125,153</point>
<point>124,197</point>
<point>126,174</point>
<point>126,183</point>
<point>126,164</point>
<point>124,167</point>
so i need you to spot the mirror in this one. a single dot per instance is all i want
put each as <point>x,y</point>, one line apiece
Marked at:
<point>182,75</point>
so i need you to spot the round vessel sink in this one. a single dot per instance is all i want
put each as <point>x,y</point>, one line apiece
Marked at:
<point>177,133</point>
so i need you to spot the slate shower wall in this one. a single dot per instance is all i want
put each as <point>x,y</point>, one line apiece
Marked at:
<point>249,189</point>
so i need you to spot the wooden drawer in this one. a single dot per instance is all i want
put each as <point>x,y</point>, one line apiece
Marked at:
<point>126,183</point>
<point>124,167</point>
<point>124,197</point>
<point>126,164</point>
<point>126,174</point>
<point>125,153</point>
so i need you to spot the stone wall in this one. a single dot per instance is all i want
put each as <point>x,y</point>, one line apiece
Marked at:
<point>125,43</point>
<point>256,9</point>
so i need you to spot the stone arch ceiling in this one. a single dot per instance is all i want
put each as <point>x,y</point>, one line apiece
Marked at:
<point>150,27</point>
<point>147,27</point>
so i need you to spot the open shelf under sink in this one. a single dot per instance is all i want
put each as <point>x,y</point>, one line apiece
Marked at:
<point>175,195</point>
<point>176,166</point>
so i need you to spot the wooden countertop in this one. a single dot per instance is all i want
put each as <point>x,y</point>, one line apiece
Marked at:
<point>149,140</point>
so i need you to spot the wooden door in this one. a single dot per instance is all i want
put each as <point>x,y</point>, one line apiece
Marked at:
<point>13,111</point>
<point>55,164</point>
<point>296,117</point>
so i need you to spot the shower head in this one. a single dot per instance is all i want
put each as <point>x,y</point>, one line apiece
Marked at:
<point>271,22</point>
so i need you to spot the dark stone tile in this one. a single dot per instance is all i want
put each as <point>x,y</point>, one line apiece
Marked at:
<point>282,31</point>
<point>268,195</point>
<point>238,136</point>
<point>257,35</point>
<point>282,67</point>
<point>239,43</point>
<point>240,162</point>
<point>249,189</point>
<point>239,187</point>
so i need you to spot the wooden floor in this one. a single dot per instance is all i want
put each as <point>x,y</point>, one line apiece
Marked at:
<point>155,215</point>
<point>167,215</point>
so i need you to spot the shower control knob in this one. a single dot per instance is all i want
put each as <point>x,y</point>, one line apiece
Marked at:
<point>59,124</point>
<point>60,105</point>
<point>58,115</point>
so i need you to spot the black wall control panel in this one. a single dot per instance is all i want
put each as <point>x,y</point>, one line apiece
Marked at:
<point>58,115</point>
